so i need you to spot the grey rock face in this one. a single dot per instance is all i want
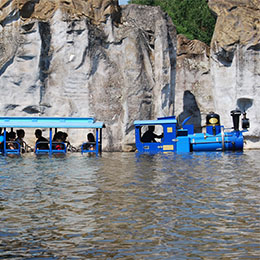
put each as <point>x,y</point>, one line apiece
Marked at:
<point>193,91</point>
<point>119,65</point>
<point>235,62</point>
<point>116,73</point>
<point>226,76</point>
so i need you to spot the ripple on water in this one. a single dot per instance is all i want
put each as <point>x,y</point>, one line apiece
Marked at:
<point>129,206</point>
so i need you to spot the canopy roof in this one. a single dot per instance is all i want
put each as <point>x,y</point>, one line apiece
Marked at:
<point>50,122</point>
<point>159,121</point>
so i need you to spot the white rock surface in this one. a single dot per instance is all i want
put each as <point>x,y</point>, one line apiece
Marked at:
<point>235,62</point>
<point>115,73</point>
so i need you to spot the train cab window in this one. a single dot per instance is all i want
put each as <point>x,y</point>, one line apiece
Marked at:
<point>151,133</point>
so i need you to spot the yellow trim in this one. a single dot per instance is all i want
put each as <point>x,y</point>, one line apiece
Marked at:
<point>169,129</point>
<point>168,147</point>
<point>213,121</point>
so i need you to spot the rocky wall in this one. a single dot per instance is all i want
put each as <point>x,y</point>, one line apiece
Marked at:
<point>71,63</point>
<point>235,62</point>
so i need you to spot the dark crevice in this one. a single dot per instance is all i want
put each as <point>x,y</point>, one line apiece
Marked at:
<point>172,52</point>
<point>31,110</point>
<point>12,17</point>
<point>6,4</point>
<point>225,57</point>
<point>95,38</point>
<point>28,27</point>
<point>6,65</point>
<point>254,47</point>
<point>190,108</point>
<point>26,57</point>
<point>28,9</point>
<point>232,8</point>
<point>45,56</point>
<point>78,32</point>
<point>10,107</point>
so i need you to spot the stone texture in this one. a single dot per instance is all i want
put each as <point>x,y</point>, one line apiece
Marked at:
<point>193,91</point>
<point>26,10</point>
<point>235,61</point>
<point>92,58</point>
<point>74,64</point>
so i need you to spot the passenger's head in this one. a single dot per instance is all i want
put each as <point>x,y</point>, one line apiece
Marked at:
<point>151,128</point>
<point>11,135</point>
<point>64,136</point>
<point>20,133</point>
<point>91,137</point>
<point>58,137</point>
<point>38,133</point>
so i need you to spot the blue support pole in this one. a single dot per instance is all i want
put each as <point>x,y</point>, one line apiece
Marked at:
<point>97,148</point>
<point>4,141</point>
<point>50,148</point>
<point>100,149</point>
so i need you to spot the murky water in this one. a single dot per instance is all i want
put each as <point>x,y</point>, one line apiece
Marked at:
<point>123,206</point>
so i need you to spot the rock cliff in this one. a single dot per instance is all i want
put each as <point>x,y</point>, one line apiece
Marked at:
<point>235,61</point>
<point>118,64</point>
<point>193,92</point>
<point>87,58</point>
<point>225,76</point>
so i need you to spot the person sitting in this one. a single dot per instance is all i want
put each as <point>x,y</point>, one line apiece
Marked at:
<point>91,144</point>
<point>23,145</point>
<point>64,137</point>
<point>11,143</point>
<point>41,142</point>
<point>57,141</point>
<point>149,136</point>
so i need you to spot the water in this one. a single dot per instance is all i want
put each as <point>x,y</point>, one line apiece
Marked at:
<point>123,206</point>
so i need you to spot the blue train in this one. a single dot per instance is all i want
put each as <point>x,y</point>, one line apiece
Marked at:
<point>175,138</point>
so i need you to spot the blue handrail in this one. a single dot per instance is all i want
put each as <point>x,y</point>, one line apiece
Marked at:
<point>51,148</point>
<point>13,150</point>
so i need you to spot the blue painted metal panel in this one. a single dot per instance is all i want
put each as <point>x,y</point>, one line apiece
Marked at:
<point>227,142</point>
<point>206,142</point>
<point>190,129</point>
<point>183,144</point>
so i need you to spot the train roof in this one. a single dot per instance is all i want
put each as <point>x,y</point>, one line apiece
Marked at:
<point>159,121</point>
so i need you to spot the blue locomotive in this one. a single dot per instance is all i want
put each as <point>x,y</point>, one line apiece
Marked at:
<point>181,138</point>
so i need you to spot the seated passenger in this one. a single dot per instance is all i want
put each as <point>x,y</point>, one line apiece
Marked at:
<point>57,141</point>
<point>11,143</point>
<point>149,136</point>
<point>91,144</point>
<point>20,135</point>
<point>64,138</point>
<point>41,142</point>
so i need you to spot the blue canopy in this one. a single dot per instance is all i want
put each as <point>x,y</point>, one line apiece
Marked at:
<point>159,121</point>
<point>50,122</point>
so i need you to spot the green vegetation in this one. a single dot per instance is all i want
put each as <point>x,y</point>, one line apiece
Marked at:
<point>191,17</point>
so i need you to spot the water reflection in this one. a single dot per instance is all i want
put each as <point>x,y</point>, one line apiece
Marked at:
<point>128,206</point>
